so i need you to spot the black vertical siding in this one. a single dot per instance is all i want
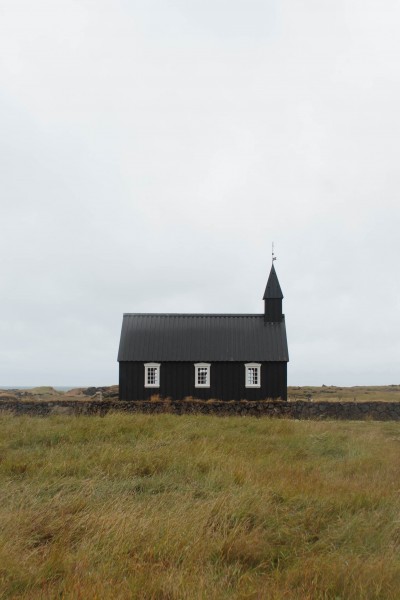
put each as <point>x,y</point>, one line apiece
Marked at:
<point>227,381</point>
<point>273,310</point>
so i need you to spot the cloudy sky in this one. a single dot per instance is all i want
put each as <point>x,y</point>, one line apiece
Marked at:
<point>151,151</point>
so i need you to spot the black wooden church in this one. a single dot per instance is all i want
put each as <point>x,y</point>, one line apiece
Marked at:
<point>221,356</point>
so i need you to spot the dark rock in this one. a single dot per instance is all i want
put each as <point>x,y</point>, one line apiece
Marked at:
<point>96,402</point>
<point>90,391</point>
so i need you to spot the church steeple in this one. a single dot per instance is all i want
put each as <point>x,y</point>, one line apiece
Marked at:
<point>273,298</point>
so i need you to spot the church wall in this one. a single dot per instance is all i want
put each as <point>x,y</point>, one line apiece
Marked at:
<point>227,381</point>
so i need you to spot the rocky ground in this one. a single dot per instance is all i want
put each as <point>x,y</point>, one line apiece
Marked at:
<point>388,393</point>
<point>48,393</point>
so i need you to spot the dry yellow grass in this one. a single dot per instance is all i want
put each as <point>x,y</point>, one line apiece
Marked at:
<point>377,393</point>
<point>192,507</point>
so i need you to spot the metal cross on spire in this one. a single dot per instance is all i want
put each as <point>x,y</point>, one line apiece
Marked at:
<point>273,253</point>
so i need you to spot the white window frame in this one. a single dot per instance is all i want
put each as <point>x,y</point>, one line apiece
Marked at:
<point>147,367</point>
<point>249,366</point>
<point>197,367</point>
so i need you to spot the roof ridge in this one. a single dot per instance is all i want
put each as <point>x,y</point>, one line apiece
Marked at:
<point>193,315</point>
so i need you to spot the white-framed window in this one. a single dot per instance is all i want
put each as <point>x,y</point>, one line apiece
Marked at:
<point>252,375</point>
<point>152,375</point>
<point>202,375</point>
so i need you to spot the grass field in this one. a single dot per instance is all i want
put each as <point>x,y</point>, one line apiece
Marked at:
<point>192,507</point>
<point>376,393</point>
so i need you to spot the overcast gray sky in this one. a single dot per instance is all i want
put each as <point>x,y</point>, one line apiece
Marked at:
<point>151,150</point>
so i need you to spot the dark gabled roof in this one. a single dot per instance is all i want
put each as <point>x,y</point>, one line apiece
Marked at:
<point>273,289</point>
<point>201,337</point>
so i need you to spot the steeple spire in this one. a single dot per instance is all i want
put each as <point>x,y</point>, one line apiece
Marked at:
<point>273,289</point>
<point>273,298</point>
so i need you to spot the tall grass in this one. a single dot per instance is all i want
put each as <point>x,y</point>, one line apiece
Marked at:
<point>192,507</point>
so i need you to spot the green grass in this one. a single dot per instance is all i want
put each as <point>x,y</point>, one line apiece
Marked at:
<point>165,507</point>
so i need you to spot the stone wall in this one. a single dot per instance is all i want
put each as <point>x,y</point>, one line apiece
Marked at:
<point>378,411</point>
